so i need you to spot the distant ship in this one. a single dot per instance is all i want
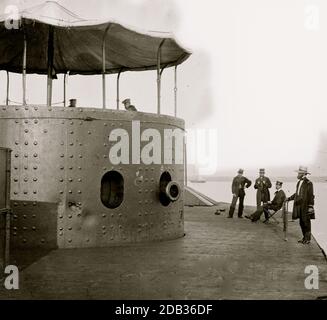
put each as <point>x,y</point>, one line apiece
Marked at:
<point>198,180</point>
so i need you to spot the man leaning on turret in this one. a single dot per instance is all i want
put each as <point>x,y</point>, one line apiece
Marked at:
<point>239,183</point>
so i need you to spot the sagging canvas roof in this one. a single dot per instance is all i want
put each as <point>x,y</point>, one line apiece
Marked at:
<point>78,44</point>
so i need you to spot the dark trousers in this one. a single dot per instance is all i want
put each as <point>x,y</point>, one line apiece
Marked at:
<point>257,214</point>
<point>240,196</point>
<point>305,224</point>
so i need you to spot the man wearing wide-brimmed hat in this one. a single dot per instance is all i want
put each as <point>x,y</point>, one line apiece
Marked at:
<point>303,203</point>
<point>238,185</point>
<point>262,184</point>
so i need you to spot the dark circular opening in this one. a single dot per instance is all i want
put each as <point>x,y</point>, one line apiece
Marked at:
<point>112,189</point>
<point>174,191</point>
<point>165,178</point>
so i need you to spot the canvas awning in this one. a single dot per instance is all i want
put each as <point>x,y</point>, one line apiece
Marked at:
<point>78,44</point>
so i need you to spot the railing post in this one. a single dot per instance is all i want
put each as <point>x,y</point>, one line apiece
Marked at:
<point>117,98</point>
<point>7,95</point>
<point>50,65</point>
<point>285,219</point>
<point>65,88</point>
<point>104,67</point>
<point>159,76</point>
<point>175,91</point>
<point>24,69</point>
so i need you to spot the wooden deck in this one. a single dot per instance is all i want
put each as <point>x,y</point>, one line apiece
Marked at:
<point>219,258</point>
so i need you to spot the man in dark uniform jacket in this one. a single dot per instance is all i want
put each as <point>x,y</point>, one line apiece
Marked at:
<point>262,184</point>
<point>303,204</point>
<point>238,185</point>
<point>275,205</point>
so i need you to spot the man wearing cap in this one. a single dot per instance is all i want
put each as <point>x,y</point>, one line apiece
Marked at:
<point>128,105</point>
<point>262,184</point>
<point>275,205</point>
<point>238,185</point>
<point>303,208</point>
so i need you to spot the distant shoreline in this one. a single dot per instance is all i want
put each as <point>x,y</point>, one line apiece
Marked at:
<point>284,179</point>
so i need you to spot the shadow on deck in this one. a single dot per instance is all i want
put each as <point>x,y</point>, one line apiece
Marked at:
<point>219,258</point>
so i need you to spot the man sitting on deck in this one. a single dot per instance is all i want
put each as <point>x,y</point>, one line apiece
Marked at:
<point>275,205</point>
<point>128,105</point>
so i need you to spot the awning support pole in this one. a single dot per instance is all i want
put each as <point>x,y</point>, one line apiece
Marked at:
<point>175,92</point>
<point>104,67</point>
<point>50,66</point>
<point>65,88</point>
<point>159,76</point>
<point>24,69</point>
<point>7,95</point>
<point>118,78</point>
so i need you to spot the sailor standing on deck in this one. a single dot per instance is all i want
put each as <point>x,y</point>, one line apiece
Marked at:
<point>303,204</point>
<point>128,105</point>
<point>238,185</point>
<point>262,184</point>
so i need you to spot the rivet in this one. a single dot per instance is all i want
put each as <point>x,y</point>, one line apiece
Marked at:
<point>16,155</point>
<point>26,130</point>
<point>25,155</point>
<point>42,240</point>
<point>70,216</point>
<point>70,228</point>
<point>70,191</point>
<point>16,143</point>
<point>35,167</point>
<point>80,156</point>
<point>25,192</point>
<point>35,155</point>
<point>89,132</point>
<point>33,228</point>
<point>69,240</point>
<point>16,180</point>
<point>34,179</point>
<point>61,180</point>
<point>70,179</point>
<point>26,143</point>
<point>79,180</point>
<point>25,179</point>
<point>26,121</point>
<point>45,131</point>
<point>79,191</point>
<point>62,167</point>
<point>36,122</point>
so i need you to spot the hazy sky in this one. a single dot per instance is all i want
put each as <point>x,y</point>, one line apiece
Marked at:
<point>257,75</point>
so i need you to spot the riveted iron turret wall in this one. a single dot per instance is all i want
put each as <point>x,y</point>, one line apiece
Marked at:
<point>60,156</point>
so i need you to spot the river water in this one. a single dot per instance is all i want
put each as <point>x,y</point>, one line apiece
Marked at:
<point>221,191</point>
